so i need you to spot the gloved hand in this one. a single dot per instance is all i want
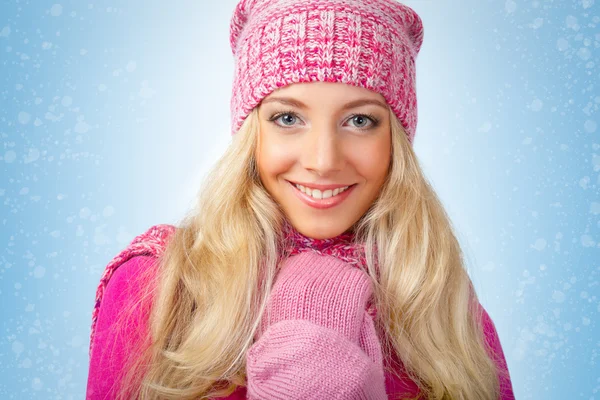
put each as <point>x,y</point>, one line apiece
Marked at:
<point>316,340</point>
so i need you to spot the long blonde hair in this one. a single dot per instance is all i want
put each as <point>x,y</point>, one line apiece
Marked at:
<point>214,277</point>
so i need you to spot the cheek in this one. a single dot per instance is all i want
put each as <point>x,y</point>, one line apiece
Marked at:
<point>273,158</point>
<point>373,159</point>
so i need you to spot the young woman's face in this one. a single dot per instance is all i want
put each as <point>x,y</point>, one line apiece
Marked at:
<point>323,133</point>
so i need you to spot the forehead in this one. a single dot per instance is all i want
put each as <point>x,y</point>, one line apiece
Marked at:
<point>323,94</point>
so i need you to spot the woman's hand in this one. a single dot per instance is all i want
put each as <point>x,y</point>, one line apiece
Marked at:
<point>316,340</point>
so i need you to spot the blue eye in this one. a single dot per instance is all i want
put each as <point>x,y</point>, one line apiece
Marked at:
<point>288,118</point>
<point>362,118</point>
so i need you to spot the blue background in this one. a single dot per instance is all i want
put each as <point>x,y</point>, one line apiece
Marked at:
<point>112,112</point>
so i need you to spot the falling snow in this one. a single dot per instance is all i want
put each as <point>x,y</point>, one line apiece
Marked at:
<point>111,117</point>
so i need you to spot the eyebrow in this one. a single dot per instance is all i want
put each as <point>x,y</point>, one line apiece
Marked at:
<point>297,103</point>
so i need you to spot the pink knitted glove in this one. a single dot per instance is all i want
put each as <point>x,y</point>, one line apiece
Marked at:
<point>316,340</point>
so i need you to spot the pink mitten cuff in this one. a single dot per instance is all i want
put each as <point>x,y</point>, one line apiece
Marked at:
<point>298,359</point>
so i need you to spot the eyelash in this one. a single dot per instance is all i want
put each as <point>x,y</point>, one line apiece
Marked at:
<point>374,120</point>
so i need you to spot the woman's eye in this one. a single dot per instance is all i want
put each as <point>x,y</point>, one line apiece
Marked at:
<point>361,121</point>
<point>286,118</point>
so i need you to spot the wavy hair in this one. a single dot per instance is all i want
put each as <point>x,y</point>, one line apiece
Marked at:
<point>212,283</point>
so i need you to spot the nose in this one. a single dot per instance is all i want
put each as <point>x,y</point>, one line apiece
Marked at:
<point>322,152</point>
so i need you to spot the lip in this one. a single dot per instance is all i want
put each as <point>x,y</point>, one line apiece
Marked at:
<point>322,203</point>
<point>321,187</point>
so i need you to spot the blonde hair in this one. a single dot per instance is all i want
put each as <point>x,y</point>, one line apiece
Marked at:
<point>214,277</point>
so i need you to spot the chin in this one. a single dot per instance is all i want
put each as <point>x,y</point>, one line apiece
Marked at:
<point>322,231</point>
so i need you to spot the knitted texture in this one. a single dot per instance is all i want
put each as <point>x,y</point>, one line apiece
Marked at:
<point>301,360</point>
<point>105,371</point>
<point>154,240</point>
<point>314,325</point>
<point>366,43</point>
<point>121,329</point>
<point>322,289</point>
<point>343,247</point>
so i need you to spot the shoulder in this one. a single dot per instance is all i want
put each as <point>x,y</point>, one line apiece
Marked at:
<point>487,325</point>
<point>129,279</point>
<point>491,336</point>
<point>121,326</point>
<point>127,300</point>
<point>149,244</point>
<point>128,272</point>
<point>497,354</point>
<point>123,304</point>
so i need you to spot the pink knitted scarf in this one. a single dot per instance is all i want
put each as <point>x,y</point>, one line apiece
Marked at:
<point>154,240</point>
<point>342,246</point>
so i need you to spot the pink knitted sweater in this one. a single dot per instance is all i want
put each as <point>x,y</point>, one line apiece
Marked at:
<point>350,368</point>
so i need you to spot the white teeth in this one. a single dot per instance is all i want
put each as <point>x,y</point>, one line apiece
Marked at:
<point>317,194</point>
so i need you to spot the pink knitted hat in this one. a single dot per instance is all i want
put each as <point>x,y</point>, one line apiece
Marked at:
<point>367,43</point>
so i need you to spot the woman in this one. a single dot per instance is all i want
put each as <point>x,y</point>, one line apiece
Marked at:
<point>319,263</point>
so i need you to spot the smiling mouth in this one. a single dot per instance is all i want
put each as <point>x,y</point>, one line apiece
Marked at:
<point>319,193</point>
<point>332,199</point>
